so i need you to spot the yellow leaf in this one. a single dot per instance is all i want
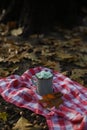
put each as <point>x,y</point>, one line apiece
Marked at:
<point>3,116</point>
<point>16,32</point>
<point>24,124</point>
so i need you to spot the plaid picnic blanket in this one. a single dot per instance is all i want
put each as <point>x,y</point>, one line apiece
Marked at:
<point>71,115</point>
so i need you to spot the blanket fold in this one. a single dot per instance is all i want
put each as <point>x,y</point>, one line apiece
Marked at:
<point>71,115</point>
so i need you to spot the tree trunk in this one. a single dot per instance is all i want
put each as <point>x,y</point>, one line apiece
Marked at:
<point>38,16</point>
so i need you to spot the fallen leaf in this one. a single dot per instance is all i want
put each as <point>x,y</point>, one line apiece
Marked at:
<point>11,24</point>
<point>78,73</point>
<point>84,58</point>
<point>81,64</point>
<point>13,59</point>
<point>1,59</point>
<point>51,100</point>
<point>3,29</point>
<point>3,116</point>
<point>4,72</point>
<point>13,69</point>
<point>52,64</point>
<point>24,124</point>
<point>16,32</point>
<point>61,55</point>
<point>36,127</point>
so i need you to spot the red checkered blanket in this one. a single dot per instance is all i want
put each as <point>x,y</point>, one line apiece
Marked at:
<point>71,115</point>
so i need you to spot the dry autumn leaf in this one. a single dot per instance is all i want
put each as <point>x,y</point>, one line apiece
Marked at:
<point>1,59</point>
<point>4,72</point>
<point>13,59</point>
<point>11,24</point>
<point>52,64</point>
<point>4,29</point>
<point>81,64</point>
<point>13,69</point>
<point>3,116</point>
<point>51,100</point>
<point>64,55</point>
<point>78,73</point>
<point>24,124</point>
<point>16,32</point>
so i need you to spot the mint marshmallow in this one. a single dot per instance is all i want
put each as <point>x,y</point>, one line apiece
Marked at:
<point>44,75</point>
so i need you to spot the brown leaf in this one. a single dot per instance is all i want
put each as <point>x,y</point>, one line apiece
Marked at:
<point>4,72</point>
<point>36,127</point>
<point>64,55</point>
<point>51,100</point>
<point>13,69</point>
<point>3,29</point>
<point>52,64</point>
<point>1,59</point>
<point>11,24</point>
<point>13,59</point>
<point>81,64</point>
<point>77,75</point>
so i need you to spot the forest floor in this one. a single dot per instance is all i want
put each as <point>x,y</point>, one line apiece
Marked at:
<point>62,50</point>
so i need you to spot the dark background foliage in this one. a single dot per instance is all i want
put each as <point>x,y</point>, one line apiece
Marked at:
<point>37,16</point>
